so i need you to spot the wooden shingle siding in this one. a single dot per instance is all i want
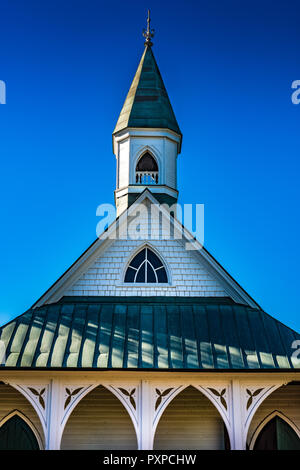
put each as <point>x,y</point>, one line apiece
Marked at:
<point>190,422</point>
<point>286,400</point>
<point>99,422</point>
<point>188,276</point>
<point>12,400</point>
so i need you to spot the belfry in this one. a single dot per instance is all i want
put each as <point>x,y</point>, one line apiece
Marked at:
<point>142,343</point>
<point>147,138</point>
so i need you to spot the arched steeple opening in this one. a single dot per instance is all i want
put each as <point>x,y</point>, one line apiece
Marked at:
<point>146,171</point>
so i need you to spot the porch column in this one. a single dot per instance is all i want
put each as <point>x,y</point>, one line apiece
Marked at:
<point>54,416</point>
<point>238,440</point>
<point>145,438</point>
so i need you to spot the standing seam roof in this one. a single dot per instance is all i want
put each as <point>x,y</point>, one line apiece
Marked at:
<point>153,333</point>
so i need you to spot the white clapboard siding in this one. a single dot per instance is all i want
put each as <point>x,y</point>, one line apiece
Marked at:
<point>12,400</point>
<point>190,422</point>
<point>286,400</point>
<point>99,421</point>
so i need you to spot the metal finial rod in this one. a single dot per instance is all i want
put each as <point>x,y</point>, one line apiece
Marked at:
<point>148,33</point>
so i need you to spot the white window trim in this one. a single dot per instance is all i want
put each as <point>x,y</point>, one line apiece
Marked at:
<point>123,284</point>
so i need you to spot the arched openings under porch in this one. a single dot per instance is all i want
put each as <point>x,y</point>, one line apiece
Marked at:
<point>191,421</point>
<point>20,426</point>
<point>276,422</point>
<point>99,421</point>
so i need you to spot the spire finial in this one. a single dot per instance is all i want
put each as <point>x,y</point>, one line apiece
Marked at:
<point>148,33</point>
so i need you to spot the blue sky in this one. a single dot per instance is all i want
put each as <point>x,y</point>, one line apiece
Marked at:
<point>228,67</point>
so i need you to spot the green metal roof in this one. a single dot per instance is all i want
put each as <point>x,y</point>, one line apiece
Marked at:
<point>148,333</point>
<point>147,103</point>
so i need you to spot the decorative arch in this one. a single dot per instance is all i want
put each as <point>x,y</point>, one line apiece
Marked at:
<point>114,390</point>
<point>33,400</point>
<point>172,393</point>
<point>266,420</point>
<point>147,162</point>
<point>131,268</point>
<point>27,421</point>
<point>259,399</point>
<point>147,166</point>
<point>169,397</point>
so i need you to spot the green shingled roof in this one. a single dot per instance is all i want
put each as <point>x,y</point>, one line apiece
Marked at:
<point>148,333</point>
<point>147,103</point>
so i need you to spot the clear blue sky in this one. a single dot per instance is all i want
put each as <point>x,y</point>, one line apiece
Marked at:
<point>228,68</point>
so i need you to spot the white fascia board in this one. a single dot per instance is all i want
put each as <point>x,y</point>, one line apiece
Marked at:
<point>147,133</point>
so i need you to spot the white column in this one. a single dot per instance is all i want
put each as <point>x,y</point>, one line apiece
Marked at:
<point>145,438</point>
<point>54,416</point>
<point>238,441</point>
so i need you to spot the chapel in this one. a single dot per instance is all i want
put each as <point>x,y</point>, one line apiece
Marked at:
<point>146,341</point>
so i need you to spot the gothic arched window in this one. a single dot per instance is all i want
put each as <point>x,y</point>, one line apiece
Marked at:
<point>277,434</point>
<point>15,434</point>
<point>146,267</point>
<point>146,170</point>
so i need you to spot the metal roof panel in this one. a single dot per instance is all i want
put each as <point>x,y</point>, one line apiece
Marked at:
<point>181,333</point>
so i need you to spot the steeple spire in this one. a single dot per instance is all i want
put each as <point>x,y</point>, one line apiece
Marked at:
<point>147,138</point>
<point>147,104</point>
<point>148,33</point>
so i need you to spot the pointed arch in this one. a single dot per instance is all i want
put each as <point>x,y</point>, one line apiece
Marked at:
<point>272,397</point>
<point>266,392</point>
<point>146,168</point>
<point>22,400</point>
<point>147,162</point>
<point>33,436</point>
<point>124,410</point>
<point>175,393</point>
<point>23,390</point>
<point>146,266</point>
<point>266,420</point>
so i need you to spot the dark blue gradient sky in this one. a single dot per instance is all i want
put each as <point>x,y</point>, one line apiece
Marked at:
<point>228,68</point>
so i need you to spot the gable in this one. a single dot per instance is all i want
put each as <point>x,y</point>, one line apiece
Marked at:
<point>187,275</point>
<point>100,270</point>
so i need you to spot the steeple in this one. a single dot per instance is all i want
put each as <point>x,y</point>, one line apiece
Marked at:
<point>147,103</point>
<point>147,138</point>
